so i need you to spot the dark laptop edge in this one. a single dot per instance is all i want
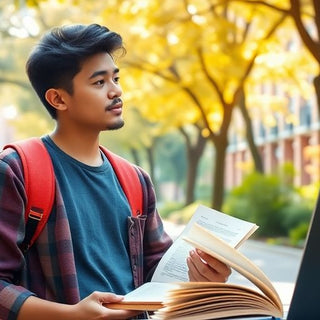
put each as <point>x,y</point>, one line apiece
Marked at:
<point>305,303</point>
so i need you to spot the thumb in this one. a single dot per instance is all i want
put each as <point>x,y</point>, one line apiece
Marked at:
<point>107,297</point>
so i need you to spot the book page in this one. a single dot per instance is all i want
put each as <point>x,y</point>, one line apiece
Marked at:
<point>149,296</point>
<point>196,298</point>
<point>182,297</point>
<point>150,292</point>
<point>206,241</point>
<point>173,265</point>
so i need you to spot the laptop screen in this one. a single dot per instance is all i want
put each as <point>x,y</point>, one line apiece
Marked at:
<point>305,303</point>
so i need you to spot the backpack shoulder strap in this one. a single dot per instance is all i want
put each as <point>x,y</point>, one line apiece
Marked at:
<point>129,180</point>
<point>39,185</point>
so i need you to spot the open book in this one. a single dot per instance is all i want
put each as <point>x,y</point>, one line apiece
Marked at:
<point>170,294</point>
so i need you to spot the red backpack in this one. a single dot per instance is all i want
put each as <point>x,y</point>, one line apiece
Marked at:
<point>40,184</point>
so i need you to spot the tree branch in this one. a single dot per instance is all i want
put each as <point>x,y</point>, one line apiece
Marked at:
<point>136,65</point>
<point>316,6</point>
<point>212,81</point>
<point>258,2</point>
<point>203,114</point>
<point>312,45</point>
<point>187,90</point>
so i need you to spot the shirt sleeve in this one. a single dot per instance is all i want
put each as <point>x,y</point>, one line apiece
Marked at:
<point>12,203</point>
<point>156,241</point>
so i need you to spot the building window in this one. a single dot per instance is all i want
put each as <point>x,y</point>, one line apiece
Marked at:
<point>262,130</point>
<point>275,129</point>
<point>305,115</point>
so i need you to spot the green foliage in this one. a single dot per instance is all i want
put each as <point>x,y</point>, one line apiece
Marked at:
<point>310,193</point>
<point>295,213</point>
<point>203,193</point>
<point>121,141</point>
<point>286,173</point>
<point>260,199</point>
<point>272,203</point>
<point>237,205</point>
<point>168,207</point>
<point>298,234</point>
<point>171,155</point>
<point>182,214</point>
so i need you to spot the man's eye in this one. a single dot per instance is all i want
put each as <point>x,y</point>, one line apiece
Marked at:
<point>99,82</point>
<point>116,79</point>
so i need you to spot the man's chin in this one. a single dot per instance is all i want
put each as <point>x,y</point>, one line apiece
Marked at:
<point>115,126</point>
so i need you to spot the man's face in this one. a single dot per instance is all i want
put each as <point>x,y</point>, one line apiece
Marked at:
<point>95,103</point>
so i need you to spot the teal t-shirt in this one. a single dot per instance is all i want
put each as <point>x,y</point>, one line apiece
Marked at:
<point>98,211</point>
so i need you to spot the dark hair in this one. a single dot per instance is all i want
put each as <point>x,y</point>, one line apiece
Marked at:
<point>57,58</point>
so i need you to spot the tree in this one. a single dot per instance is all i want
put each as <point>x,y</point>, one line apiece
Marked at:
<point>256,156</point>
<point>190,62</point>
<point>206,50</point>
<point>306,16</point>
<point>194,151</point>
<point>171,109</point>
<point>311,42</point>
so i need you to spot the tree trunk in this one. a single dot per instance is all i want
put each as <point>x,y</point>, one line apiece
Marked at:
<point>220,142</point>
<point>218,172</point>
<point>316,83</point>
<point>150,158</point>
<point>312,44</point>
<point>256,156</point>
<point>194,154</point>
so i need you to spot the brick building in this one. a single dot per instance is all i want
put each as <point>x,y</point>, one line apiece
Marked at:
<point>296,141</point>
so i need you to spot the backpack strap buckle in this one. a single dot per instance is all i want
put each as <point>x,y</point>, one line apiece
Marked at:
<point>35,213</point>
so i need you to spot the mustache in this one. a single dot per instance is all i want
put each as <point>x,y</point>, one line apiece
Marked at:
<point>113,103</point>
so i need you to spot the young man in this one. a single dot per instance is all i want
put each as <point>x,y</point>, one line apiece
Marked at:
<point>91,251</point>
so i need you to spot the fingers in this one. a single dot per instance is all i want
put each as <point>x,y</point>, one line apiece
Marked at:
<point>105,297</point>
<point>215,264</point>
<point>203,267</point>
<point>95,307</point>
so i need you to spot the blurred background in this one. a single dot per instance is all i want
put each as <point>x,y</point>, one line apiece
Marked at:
<point>221,100</point>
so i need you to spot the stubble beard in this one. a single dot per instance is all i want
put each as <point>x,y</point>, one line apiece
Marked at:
<point>116,126</point>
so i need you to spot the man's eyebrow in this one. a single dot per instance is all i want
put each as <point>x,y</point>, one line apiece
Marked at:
<point>103,72</point>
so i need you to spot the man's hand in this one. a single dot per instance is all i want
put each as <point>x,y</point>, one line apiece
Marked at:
<point>203,267</point>
<point>92,307</point>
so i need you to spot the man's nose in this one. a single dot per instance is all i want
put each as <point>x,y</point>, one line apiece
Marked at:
<point>115,91</point>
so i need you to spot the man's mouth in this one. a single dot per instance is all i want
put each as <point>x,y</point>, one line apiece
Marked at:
<point>116,104</point>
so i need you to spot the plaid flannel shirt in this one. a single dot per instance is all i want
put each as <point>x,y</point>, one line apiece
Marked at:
<point>48,269</point>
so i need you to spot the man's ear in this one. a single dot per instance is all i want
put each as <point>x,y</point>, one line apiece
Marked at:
<point>56,98</point>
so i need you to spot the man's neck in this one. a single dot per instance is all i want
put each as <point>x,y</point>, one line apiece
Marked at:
<point>83,148</point>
